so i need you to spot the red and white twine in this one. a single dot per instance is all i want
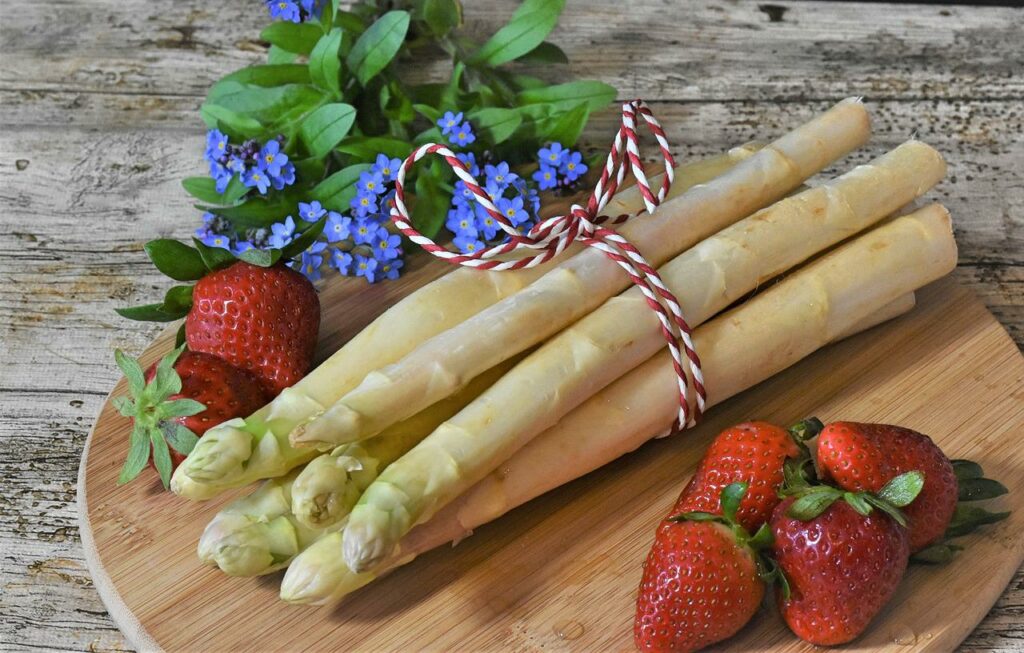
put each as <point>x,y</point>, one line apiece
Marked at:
<point>550,237</point>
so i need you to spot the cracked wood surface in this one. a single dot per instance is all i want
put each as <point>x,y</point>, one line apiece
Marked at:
<point>99,122</point>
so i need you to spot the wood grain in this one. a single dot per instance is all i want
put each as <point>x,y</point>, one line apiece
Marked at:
<point>98,122</point>
<point>569,562</point>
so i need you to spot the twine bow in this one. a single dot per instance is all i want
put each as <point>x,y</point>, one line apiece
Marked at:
<point>550,237</point>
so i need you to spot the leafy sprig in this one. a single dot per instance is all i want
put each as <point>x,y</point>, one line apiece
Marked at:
<point>336,93</point>
<point>153,410</point>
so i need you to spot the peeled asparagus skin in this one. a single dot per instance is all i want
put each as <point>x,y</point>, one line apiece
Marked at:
<point>242,451</point>
<point>439,366</point>
<point>327,488</point>
<point>820,303</point>
<point>620,335</point>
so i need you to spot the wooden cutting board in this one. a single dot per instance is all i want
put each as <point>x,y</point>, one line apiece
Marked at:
<point>560,573</point>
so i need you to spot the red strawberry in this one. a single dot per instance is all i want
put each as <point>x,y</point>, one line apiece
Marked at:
<point>176,401</point>
<point>753,453</point>
<point>261,319</point>
<point>864,457</point>
<point>841,567</point>
<point>700,582</point>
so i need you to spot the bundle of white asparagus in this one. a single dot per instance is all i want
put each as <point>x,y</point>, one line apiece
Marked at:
<point>405,427</point>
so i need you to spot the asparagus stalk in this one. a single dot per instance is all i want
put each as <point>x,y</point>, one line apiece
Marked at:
<point>822,302</point>
<point>622,334</point>
<point>326,489</point>
<point>256,534</point>
<point>242,451</point>
<point>441,365</point>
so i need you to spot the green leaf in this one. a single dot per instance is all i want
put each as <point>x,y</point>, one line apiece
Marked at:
<point>124,405</point>
<point>966,469</point>
<point>299,38</point>
<point>138,455</point>
<point>546,52</point>
<point>175,259</point>
<point>264,75</point>
<point>302,242</point>
<point>132,372</point>
<point>179,437</point>
<point>873,501</point>
<point>260,211</point>
<point>979,489</point>
<point>566,129</point>
<point>496,124</point>
<point>858,502</point>
<point>812,504</point>
<point>966,519</point>
<point>178,298</point>
<point>337,191</point>
<point>179,337</point>
<point>276,55</point>
<point>762,538</point>
<point>205,190</point>
<point>431,207</point>
<point>596,95</point>
<point>166,381</point>
<point>695,516</point>
<point>326,126</point>
<point>325,62</point>
<point>270,106</point>
<point>181,408</point>
<point>149,313</point>
<point>427,111</point>
<point>529,26</point>
<point>442,16</point>
<point>161,457</point>
<point>378,45</point>
<point>233,123</point>
<point>263,258</point>
<point>214,258</point>
<point>903,489</point>
<point>368,147</point>
<point>936,554</point>
<point>732,495</point>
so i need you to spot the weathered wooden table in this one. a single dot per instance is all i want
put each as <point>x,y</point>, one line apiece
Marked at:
<point>99,122</point>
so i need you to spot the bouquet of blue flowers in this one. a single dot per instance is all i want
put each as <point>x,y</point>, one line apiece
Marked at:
<point>317,134</point>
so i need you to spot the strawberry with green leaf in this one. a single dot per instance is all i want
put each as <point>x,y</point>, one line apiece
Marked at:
<point>175,401</point>
<point>252,310</point>
<point>842,555</point>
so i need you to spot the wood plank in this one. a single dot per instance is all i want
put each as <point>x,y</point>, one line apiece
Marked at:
<point>698,51</point>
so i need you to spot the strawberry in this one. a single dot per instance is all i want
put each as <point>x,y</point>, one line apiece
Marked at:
<point>701,579</point>
<point>754,453</point>
<point>841,559</point>
<point>864,457</point>
<point>175,402</point>
<point>261,319</point>
<point>251,310</point>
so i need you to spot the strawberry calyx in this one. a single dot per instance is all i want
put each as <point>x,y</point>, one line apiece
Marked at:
<point>800,471</point>
<point>758,543</point>
<point>812,500</point>
<point>153,411</point>
<point>972,485</point>
<point>184,263</point>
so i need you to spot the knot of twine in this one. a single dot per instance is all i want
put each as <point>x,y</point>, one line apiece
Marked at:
<point>550,237</point>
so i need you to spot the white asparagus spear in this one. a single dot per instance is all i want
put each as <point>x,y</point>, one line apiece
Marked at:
<point>327,488</point>
<point>242,451</point>
<point>320,577</point>
<point>622,334</point>
<point>441,365</point>
<point>816,305</point>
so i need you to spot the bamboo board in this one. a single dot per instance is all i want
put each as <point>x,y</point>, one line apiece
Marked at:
<point>560,573</point>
